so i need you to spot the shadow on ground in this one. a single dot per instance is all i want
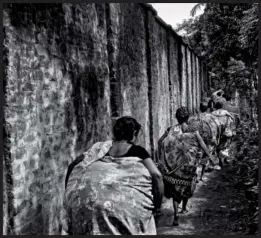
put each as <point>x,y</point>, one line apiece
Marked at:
<point>216,208</point>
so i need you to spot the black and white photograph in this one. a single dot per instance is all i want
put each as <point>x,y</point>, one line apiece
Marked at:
<point>130,118</point>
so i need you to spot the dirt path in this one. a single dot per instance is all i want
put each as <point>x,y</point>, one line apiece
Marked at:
<point>216,208</point>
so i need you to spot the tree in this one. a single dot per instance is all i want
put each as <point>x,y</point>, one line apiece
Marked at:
<point>224,32</point>
<point>226,37</point>
<point>196,8</point>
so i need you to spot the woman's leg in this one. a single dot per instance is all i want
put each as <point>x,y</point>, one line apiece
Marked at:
<point>184,205</point>
<point>202,172</point>
<point>175,207</point>
<point>228,145</point>
<point>157,215</point>
<point>219,149</point>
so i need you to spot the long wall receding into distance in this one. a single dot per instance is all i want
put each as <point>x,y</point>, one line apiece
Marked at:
<point>70,71</point>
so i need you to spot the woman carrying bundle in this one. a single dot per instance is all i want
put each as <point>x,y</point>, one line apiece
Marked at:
<point>209,129</point>
<point>114,189</point>
<point>178,161</point>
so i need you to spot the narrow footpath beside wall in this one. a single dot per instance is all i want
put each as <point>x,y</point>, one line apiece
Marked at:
<point>70,70</point>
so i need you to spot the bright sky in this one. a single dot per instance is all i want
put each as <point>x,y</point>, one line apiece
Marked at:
<point>173,13</point>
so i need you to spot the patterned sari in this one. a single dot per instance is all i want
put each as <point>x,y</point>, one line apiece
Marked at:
<point>178,163</point>
<point>209,127</point>
<point>107,195</point>
<point>228,128</point>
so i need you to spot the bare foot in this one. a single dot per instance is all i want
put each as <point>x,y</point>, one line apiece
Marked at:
<point>176,221</point>
<point>184,211</point>
<point>217,167</point>
<point>226,161</point>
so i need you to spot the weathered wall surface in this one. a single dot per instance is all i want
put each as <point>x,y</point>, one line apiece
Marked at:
<point>57,103</point>
<point>160,95</point>
<point>175,75</point>
<point>184,77</point>
<point>70,70</point>
<point>190,81</point>
<point>131,67</point>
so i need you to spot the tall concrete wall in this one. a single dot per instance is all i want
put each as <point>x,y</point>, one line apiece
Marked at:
<point>160,94</point>
<point>175,74</point>
<point>70,70</point>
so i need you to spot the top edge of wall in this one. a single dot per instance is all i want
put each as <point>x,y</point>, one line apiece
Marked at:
<point>167,26</point>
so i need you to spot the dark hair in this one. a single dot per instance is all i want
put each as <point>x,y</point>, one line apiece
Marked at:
<point>203,107</point>
<point>219,94</point>
<point>210,103</point>
<point>218,105</point>
<point>227,97</point>
<point>182,114</point>
<point>125,128</point>
<point>195,110</point>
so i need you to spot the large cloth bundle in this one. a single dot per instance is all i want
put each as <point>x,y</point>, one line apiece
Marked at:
<point>178,163</point>
<point>107,195</point>
<point>196,123</point>
<point>235,111</point>
<point>231,108</point>
<point>209,127</point>
<point>217,96</point>
<point>228,129</point>
<point>227,123</point>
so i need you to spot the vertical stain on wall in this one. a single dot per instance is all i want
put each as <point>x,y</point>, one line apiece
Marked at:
<point>9,209</point>
<point>169,78</point>
<point>189,84</point>
<point>8,201</point>
<point>184,78</point>
<point>159,76</point>
<point>175,72</point>
<point>198,96</point>
<point>180,60</point>
<point>148,52</point>
<point>131,67</point>
<point>85,94</point>
<point>192,73</point>
<point>112,49</point>
<point>195,81</point>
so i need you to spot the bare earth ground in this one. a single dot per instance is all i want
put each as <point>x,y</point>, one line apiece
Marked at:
<point>218,207</point>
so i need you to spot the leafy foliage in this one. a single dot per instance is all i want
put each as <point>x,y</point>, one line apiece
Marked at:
<point>195,8</point>
<point>248,36</point>
<point>246,153</point>
<point>226,37</point>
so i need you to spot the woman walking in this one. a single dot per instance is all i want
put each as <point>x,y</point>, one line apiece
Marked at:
<point>209,129</point>
<point>115,188</point>
<point>178,161</point>
<point>227,122</point>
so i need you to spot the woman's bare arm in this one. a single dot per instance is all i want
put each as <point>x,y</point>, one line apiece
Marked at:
<point>225,114</point>
<point>230,115</point>
<point>203,146</point>
<point>219,115</point>
<point>157,182</point>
